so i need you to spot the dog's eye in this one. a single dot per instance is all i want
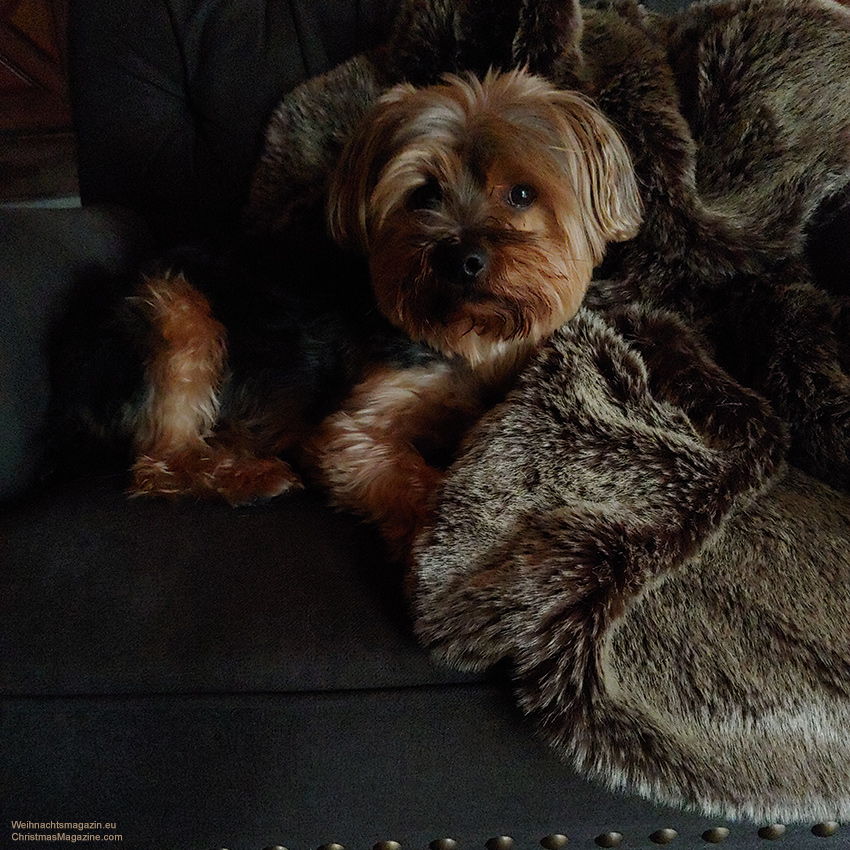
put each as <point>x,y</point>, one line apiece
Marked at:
<point>427,197</point>
<point>522,196</point>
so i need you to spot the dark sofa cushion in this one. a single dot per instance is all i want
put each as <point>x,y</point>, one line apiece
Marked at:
<point>109,595</point>
<point>244,772</point>
<point>43,254</point>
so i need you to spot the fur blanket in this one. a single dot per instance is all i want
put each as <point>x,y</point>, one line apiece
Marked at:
<point>675,606</point>
<point>673,599</point>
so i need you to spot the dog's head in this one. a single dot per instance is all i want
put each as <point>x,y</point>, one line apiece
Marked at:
<point>483,208</point>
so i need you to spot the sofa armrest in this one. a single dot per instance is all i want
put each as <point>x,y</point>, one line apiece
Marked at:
<point>43,253</point>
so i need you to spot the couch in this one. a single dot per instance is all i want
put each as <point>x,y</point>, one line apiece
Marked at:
<point>190,675</point>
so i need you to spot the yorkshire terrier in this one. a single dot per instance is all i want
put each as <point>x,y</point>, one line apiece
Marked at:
<point>204,372</point>
<point>483,208</point>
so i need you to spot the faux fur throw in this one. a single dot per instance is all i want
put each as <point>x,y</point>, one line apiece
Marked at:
<point>674,601</point>
<point>675,609</point>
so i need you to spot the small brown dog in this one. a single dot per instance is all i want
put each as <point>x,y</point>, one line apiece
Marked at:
<point>483,208</point>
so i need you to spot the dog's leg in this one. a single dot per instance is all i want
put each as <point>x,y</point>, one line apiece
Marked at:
<point>369,455</point>
<point>177,451</point>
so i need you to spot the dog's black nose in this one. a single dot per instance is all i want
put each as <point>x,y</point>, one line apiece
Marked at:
<point>474,264</point>
<point>459,263</point>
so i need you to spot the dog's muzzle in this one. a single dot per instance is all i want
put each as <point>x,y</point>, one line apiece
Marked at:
<point>460,264</point>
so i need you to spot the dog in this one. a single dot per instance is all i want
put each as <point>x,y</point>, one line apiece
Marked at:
<point>483,207</point>
<point>204,372</point>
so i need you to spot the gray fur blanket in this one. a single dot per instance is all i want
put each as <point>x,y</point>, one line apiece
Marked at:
<point>674,600</point>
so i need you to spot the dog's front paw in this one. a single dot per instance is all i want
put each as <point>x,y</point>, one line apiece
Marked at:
<point>160,477</point>
<point>405,513</point>
<point>239,480</point>
<point>244,481</point>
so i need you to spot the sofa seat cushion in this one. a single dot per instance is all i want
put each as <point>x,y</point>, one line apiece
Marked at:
<point>109,595</point>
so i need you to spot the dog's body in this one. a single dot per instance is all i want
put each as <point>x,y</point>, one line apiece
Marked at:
<point>483,207</point>
<point>205,371</point>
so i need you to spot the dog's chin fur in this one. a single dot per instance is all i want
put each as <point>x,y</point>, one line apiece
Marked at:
<point>437,169</point>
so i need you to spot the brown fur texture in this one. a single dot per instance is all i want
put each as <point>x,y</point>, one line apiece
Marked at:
<point>674,604</point>
<point>740,133</point>
<point>291,177</point>
<point>179,446</point>
<point>736,117</point>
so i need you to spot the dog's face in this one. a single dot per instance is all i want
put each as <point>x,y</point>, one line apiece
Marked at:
<point>484,208</point>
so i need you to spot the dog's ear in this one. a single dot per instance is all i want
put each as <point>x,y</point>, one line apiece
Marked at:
<point>600,167</point>
<point>358,168</point>
<point>547,30</point>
